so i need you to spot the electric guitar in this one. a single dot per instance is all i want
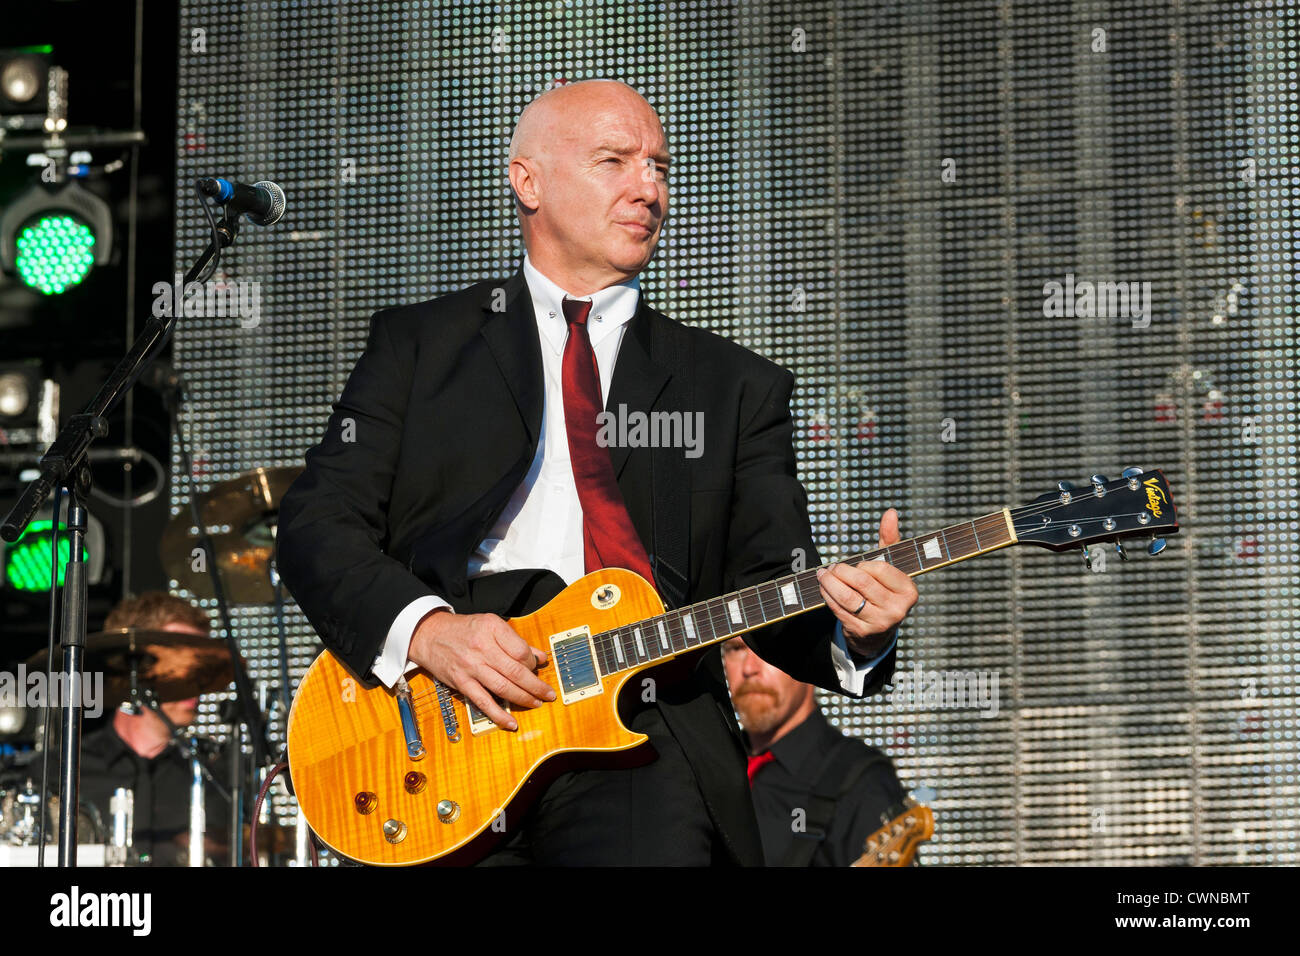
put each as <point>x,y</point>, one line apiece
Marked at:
<point>896,843</point>
<point>417,774</point>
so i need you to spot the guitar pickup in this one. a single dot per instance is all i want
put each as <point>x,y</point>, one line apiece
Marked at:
<point>575,663</point>
<point>479,722</point>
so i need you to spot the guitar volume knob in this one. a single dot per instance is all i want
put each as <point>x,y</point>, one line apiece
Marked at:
<point>365,802</point>
<point>448,811</point>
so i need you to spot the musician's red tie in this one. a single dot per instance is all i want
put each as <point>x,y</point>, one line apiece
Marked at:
<point>609,539</point>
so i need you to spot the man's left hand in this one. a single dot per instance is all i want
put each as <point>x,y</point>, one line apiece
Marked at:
<point>870,599</point>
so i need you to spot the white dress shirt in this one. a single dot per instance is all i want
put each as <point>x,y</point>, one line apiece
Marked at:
<point>541,525</point>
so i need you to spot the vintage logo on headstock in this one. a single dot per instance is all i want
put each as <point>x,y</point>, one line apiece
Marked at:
<point>1155,495</point>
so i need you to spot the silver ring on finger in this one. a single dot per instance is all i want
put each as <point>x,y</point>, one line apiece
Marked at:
<point>860,607</point>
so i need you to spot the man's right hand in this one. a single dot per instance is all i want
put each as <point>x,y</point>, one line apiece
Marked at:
<point>482,657</point>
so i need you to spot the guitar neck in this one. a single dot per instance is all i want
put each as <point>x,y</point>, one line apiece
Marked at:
<point>719,619</point>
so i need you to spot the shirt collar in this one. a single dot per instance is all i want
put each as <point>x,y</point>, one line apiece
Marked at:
<point>799,746</point>
<point>611,308</point>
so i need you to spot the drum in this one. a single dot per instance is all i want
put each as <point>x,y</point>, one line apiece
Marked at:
<point>20,816</point>
<point>21,819</point>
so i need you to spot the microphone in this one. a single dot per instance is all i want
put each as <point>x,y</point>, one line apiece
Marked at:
<point>262,202</point>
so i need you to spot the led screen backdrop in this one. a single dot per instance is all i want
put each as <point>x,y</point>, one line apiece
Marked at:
<point>879,196</point>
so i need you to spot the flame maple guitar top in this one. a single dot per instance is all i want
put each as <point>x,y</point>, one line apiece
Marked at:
<point>348,748</point>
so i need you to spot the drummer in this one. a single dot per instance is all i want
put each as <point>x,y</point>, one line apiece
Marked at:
<point>136,751</point>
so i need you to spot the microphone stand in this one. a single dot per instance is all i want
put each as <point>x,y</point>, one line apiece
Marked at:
<point>142,700</point>
<point>65,466</point>
<point>173,399</point>
<point>277,587</point>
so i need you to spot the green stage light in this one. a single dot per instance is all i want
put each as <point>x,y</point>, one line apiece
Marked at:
<point>54,252</point>
<point>51,237</point>
<point>27,560</point>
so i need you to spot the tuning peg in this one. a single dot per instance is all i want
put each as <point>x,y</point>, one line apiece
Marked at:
<point>1087,558</point>
<point>1156,546</point>
<point>1065,485</point>
<point>1099,485</point>
<point>1131,472</point>
<point>1119,549</point>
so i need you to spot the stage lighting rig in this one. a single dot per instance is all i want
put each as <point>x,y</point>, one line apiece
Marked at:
<point>24,87</point>
<point>50,238</point>
<point>26,564</point>
<point>56,230</point>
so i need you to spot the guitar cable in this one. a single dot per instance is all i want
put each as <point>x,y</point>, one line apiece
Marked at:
<point>278,769</point>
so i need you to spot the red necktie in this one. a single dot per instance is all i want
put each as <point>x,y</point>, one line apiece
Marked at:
<point>609,540</point>
<point>758,763</point>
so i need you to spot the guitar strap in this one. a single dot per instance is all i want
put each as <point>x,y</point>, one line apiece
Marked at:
<point>835,777</point>
<point>671,488</point>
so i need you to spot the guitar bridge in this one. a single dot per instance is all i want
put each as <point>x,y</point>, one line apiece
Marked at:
<point>449,722</point>
<point>575,663</point>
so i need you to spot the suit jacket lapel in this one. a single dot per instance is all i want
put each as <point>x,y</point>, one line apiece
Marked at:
<point>511,336</point>
<point>638,379</point>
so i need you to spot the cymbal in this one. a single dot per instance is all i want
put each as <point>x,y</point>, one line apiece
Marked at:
<point>239,514</point>
<point>175,666</point>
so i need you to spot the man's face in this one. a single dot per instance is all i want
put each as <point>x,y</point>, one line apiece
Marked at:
<point>602,187</point>
<point>182,712</point>
<point>764,696</point>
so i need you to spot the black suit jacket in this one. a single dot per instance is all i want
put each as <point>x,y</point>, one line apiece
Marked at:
<point>438,425</point>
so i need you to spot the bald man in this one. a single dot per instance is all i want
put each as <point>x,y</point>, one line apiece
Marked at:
<point>464,478</point>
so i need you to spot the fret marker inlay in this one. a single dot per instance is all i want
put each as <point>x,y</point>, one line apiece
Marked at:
<point>690,627</point>
<point>640,645</point>
<point>932,549</point>
<point>788,595</point>
<point>733,608</point>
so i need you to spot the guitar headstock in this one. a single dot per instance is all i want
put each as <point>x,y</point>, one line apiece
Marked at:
<point>896,843</point>
<point>1136,505</point>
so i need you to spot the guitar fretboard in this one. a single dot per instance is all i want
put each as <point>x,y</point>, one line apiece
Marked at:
<point>724,617</point>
